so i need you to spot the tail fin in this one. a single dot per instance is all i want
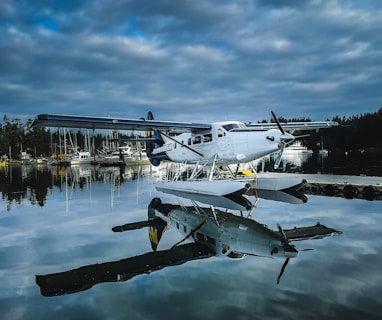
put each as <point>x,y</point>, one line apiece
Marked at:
<point>155,159</point>
<point>158,226</point>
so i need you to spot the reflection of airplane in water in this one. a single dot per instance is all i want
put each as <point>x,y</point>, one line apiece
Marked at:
<point>214,232</point>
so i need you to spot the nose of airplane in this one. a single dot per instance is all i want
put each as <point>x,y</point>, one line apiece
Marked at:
<point>286,138</point>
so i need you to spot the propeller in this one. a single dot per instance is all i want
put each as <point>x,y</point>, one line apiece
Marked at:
<point>278,160</point>
<point>283,234</point>
<point>278,122</point>
<point>286,245</point>
<point>285,139</point>
<point>302,136</point>
<point>282,270</point>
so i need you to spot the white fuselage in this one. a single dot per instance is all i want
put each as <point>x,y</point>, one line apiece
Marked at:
<point>231,142</point>
<point>232,233</point>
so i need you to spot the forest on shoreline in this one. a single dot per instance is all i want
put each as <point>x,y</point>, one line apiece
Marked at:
<point>356,134</point>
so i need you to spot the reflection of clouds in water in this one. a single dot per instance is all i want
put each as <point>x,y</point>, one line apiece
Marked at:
<point>340,270</point>
<point>233,290</point>
<point>339,278</point>
<point>190,291</point>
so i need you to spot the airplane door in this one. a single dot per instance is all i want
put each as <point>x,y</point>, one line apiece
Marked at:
<point>224,147</point>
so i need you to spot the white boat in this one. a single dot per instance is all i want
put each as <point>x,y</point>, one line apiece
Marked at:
<point>41,160</point>
<point>297,147</point>
<point>121,154</point>
<point>25,158</point>
<point>82,157</point>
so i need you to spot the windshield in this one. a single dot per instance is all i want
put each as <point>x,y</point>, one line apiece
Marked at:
<point>232,126</point>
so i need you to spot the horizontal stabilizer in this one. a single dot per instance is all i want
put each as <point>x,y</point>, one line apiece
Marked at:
<point>317,231</point>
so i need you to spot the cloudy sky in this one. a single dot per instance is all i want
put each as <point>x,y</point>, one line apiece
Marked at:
<point>191,60</point>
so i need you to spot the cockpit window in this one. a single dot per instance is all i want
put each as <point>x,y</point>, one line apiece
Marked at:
<point>232,126</point>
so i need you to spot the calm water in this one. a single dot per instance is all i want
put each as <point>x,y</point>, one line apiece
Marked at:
<point>57,220</point>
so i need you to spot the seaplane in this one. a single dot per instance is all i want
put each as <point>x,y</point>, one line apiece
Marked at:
<point>206,233</point>
<point>215,145</point>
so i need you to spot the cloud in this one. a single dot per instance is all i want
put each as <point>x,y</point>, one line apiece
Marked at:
<point>303,58</point>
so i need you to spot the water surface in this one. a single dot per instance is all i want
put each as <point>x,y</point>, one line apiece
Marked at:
<point>56,220</point>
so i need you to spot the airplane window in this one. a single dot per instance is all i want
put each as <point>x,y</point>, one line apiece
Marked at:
<point>211,240</point>
<point>207,138</point>
<point>231,126</point>
<point>200,236</point>
<point>197,139</point>
<point>236,255</point>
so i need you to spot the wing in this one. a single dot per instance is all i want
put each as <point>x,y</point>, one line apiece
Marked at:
<point>72,121</point>
<point>294,126</point>
<point>85,277</point>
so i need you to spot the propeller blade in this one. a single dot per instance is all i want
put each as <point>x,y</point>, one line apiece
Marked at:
<point>282,270</point>
<point>278,160</point>
<point>285,139</point>
<point>278,123</point>
<point>302,136</point>
<point>283,233</point>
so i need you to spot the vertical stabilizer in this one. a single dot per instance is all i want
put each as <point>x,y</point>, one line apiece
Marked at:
<point>158,141</point>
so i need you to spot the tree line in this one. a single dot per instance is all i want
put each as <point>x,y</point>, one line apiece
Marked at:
<point>16,136</point>
<point>355,133</point>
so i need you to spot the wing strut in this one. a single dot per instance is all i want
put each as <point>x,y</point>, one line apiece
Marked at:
<point>182,144</point>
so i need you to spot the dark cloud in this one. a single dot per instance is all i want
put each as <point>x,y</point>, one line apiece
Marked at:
<point>231,59</point>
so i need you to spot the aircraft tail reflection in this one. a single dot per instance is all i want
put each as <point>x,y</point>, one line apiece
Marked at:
<point>155,224</point>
